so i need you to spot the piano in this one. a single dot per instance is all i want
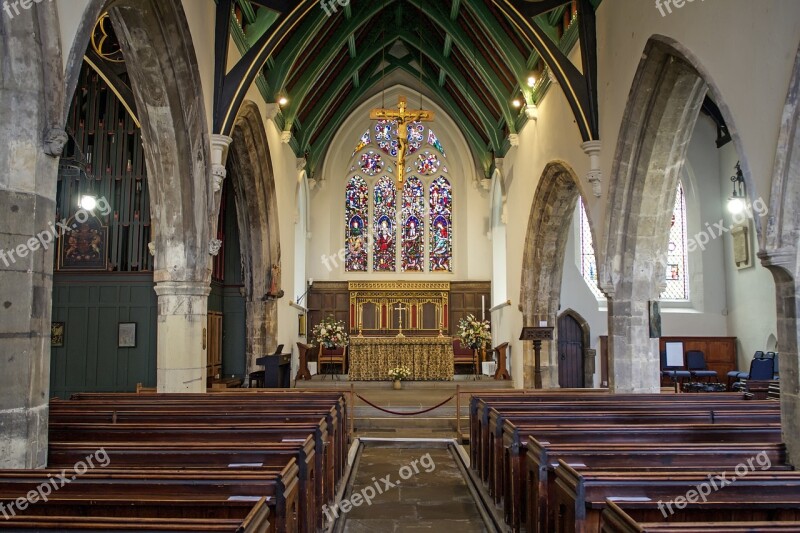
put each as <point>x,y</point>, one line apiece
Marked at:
<point>277,369</point>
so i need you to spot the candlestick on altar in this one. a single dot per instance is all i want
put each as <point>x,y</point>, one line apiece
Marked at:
<point>483,307</point>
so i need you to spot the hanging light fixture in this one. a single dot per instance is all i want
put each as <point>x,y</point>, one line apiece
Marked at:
<point>737,200</point>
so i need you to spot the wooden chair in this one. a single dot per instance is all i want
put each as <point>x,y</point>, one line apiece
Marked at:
<point>337,356</point>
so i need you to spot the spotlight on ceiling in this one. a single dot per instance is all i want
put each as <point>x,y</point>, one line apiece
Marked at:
<point>282,101</point>
<point>737,200</point>
<point>516,103</point>
<point>88,203</point>
<point>531,81</point>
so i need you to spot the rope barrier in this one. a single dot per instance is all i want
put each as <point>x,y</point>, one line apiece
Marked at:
<point>378,407</point>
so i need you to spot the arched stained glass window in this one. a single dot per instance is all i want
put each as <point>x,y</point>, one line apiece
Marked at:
<point>677,256</point>
<point>413,231</point>
<point>383,259</point>
<point>441,237</point>
<point>588,258</point>
<point>356,218</point>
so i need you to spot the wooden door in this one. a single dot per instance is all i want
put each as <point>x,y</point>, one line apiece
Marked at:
<point>214,346</point>
<point>570,353</point>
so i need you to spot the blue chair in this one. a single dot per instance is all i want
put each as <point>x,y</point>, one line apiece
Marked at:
<point>761,369</point>
<point>696,364</point>
<point>775,356</point>
<point>675,373</point>
<point>736,375</point>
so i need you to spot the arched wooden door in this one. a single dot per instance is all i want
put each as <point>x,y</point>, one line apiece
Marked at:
<point>570,352</point>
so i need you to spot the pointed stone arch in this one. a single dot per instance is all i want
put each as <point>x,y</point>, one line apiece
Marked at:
<point>543,259</point>
<point>250,168</point>
<point>659,120</point>
<point>781,257</point>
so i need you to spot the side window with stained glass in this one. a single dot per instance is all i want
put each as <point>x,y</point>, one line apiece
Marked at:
<point>356,218</point>
<point>588,257</point>
<point>677,257</point>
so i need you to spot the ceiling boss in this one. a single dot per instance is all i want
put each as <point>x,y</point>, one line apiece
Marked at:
<point>404,117</point>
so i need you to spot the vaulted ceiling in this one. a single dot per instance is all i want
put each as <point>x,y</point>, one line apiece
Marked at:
<point>472,57</point>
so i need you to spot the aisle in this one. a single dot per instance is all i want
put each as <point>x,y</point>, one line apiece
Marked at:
<point>424,491</point>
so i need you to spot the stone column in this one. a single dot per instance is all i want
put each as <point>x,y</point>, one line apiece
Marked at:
<point>30,101</point>
<point>632,365</point>
<point>182,335</point>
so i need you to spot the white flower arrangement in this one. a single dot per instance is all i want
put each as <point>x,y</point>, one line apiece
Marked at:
<point>399,373</point>
<point>330,333</point>
<point>474,333</point>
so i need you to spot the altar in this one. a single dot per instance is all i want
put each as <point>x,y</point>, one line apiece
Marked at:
<point>428,358</point>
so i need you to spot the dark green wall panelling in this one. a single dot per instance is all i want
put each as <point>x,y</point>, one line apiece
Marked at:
<point>91,307</point>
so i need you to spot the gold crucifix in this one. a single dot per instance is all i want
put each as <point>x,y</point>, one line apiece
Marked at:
<point>404,117</point>
<point>400,310</point>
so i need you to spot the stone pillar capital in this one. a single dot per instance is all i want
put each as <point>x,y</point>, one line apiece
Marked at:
<point>199,289</point>
<point>595,174</point>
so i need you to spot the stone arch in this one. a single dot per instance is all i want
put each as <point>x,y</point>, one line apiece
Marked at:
<point>31,77</point>
<point>659,120</point>
<point>781,257</point>
<point>588,353</point>
<point>253,178</point>
<point>543,260</point>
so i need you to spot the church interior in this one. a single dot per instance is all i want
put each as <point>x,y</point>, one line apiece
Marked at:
<point>400,265</point>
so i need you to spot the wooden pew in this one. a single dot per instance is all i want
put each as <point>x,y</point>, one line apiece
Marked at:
<point>159,493</point>
<point>507,475</point>
<point>238,456</point>
<point>613,519</point>
<point>581,496</point>
<point>538,496</point>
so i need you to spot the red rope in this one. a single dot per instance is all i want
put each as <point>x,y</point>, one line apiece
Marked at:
<point>378,407</point>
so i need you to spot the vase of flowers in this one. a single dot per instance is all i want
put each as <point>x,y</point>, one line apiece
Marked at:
<point>330,334</point>
<point>397,375</point>
<point>474,333</point>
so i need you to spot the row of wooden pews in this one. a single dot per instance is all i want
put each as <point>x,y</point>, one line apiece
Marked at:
<point>224,461</point>
<point>556,461</point>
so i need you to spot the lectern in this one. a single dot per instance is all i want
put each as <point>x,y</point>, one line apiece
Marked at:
<point>537,335</point>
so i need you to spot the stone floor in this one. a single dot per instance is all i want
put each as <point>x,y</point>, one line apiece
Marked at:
<point>435,499</point>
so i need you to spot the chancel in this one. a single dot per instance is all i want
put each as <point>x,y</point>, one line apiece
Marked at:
<point>535,262</point>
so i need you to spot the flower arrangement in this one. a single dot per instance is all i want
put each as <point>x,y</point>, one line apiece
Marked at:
<point>330,333</point>
<point>401,372</point>
<point>474,333</point>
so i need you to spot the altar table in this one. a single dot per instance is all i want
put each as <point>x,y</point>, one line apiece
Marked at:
<point>428,358</point>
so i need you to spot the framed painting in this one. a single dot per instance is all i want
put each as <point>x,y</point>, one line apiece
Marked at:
<point>126,336</point>
<point>84,247</point>
<point>57,334</point>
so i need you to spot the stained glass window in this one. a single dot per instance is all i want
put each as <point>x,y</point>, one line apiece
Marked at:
<point>371,163</point>
<point>677,258</point>
<point>441,237</point>
<point>413,224</point>
<point>383,259</point>
<point>433,140</point>
<point>365,140</point>
<point>588,258</point>
<point>427,163</point>
<point>356,215</point>
<point>386,137</point>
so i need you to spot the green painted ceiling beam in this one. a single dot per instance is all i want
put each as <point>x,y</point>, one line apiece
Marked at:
<point>492,130</point>
<point>462,40</point>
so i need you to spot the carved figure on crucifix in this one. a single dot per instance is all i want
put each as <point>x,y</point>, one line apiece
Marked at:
<point>404,118</point>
